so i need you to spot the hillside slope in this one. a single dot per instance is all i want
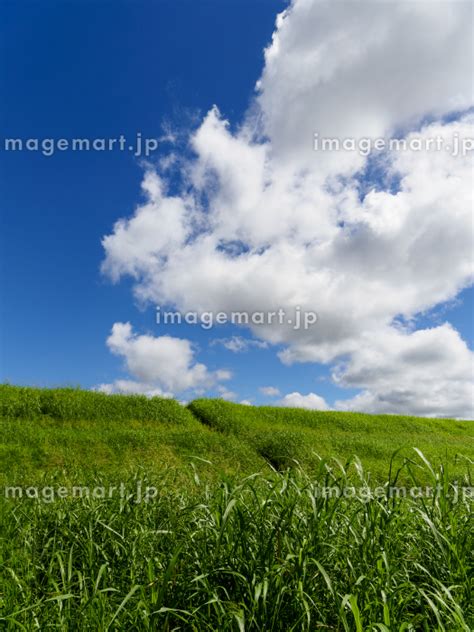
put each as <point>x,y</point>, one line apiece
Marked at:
<point>79,433</point>
<point>70,429</point>
<point>284,436</point>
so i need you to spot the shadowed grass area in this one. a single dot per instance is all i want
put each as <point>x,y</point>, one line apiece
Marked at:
<point>284,436</point>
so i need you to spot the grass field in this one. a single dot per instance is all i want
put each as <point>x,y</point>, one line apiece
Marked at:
<point>211,517</point>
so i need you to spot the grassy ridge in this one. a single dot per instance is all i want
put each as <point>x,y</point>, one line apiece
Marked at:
<point>51,429</point>
<point>19,402</point>
<point>70,430</point>
<point>284,436</point>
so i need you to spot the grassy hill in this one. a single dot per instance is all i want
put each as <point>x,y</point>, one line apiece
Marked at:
<point>80,433</point>
<point>50,429</point>
<point>285,436</point>
<point>211,517</point>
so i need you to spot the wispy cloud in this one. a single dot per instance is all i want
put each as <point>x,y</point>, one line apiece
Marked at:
<point>269,391</point>
<point>239,344</point>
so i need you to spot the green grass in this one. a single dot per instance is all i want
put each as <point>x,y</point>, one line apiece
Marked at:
<point>50,429</point>
<point>257,554</point>
<point>285,436</point>
<point>235,535</point>
<point>63,430</point>
<point>70,404</point>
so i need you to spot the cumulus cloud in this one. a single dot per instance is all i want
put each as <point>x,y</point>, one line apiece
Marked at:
<point>263,222</point>
<point>161,365</point>
<point>297,400</point>
<point>135,243</point>
<point>361,69</point>
<point>427,372</point>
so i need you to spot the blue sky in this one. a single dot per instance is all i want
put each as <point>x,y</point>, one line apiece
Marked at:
<point>101,69</point>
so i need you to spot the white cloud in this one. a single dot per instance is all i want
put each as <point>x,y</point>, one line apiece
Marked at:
<point>284,226</point>
<point>297,400</point>
<point>269,391</point>
<point>157,227</point>
<point>361,69</point>
<point>129,387</point>
<point>426,372</point>
<point>223,374</point>
<point>158,363</point>
<point>225,393</point>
